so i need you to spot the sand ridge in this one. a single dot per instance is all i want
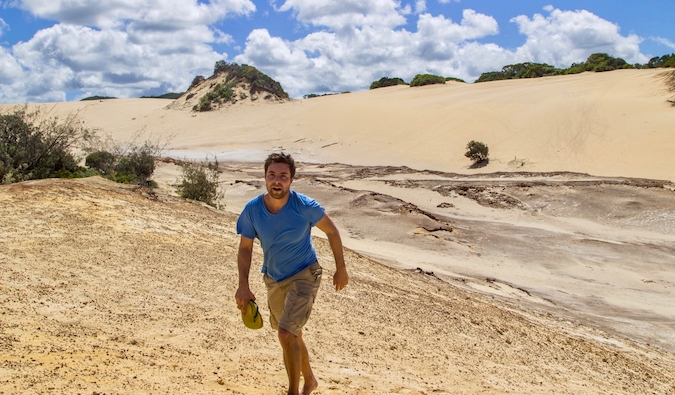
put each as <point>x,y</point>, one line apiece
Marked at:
<point>616,123</point>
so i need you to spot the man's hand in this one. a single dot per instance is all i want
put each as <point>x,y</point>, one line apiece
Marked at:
<point>340,278</point>
<point>244,293</point>
<point>242,297</point>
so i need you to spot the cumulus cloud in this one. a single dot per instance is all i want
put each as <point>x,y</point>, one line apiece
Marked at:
<point>127,48</point>
<point>337,61</point>
<point>349,59</point>
<point>565,37</point>
<point>420,6</point>
<point>346,14</point>
<point>149,15</point>
<point>119,48</point>
<point>115,63</point>
<point>10,69</point>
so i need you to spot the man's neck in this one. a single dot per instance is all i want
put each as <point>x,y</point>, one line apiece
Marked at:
<point>275,205</point>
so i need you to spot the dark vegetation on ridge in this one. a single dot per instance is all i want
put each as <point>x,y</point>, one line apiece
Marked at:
<point>257,83</point>
<point>597,62</point>
<point>169,95</point>
<point>311,95</point>
<point>386,81</point>
<point>98,98</point>
<point>419,80</point>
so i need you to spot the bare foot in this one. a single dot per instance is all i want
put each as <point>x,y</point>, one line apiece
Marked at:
<point>309,386</point>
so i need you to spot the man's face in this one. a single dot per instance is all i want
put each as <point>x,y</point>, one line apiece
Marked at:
<point>278,180</point>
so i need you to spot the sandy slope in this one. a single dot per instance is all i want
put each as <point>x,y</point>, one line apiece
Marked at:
<point>540,279</point>
<point>610,124</point>
<point>108,289</point>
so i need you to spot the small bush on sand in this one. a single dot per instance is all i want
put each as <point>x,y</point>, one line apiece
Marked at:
<point>427,79</point>
<point>386,81</point>
<point>200,182</point>
<point>476,151</point>
<point>101,161</point>
<point>34,145</point>
<point>128,163</point>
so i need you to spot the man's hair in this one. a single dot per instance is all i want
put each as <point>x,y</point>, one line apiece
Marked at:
<point>281,158</point>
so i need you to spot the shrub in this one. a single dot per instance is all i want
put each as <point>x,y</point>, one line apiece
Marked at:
<point>136,167</point>
<point>200,182</point>
<point>128,163</point>
<point>386,81</point>
<point>427,79</point>
<point>454,79</point>
<point>520,70</point>
<point>476,151</point>
<point>196,81</point>
<point>34,145</point>
<point>101,161</point>
<point>204,104</point>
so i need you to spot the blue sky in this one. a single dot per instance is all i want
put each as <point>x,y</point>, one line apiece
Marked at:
<point>58,50</point>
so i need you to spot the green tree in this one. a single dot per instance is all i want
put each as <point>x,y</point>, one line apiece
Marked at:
<point>477,151</point>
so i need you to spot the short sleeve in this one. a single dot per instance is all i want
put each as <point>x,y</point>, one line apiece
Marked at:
<point>245,224</point>
<point>314,212</point>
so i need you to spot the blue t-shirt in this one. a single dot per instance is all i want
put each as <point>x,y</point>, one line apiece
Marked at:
<point>285,237</point>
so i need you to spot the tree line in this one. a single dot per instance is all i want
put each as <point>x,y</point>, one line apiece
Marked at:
<point>597,62</point>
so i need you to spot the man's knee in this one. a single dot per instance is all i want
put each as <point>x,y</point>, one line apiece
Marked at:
<point>286,337</point>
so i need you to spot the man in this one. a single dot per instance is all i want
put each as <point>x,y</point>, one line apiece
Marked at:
<point>282,220</point>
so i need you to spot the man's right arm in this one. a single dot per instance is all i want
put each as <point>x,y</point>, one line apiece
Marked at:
<point>244,293</point>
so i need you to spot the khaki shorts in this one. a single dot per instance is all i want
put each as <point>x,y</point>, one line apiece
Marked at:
<point>291,299</point>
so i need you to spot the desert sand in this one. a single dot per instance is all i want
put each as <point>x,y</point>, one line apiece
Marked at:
<point>550,270</point>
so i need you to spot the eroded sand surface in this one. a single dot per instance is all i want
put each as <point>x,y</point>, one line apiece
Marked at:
<point>598,250</point>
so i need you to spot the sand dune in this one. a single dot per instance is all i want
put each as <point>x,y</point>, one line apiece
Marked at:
<point>519,277</point>
<point>616,123</point>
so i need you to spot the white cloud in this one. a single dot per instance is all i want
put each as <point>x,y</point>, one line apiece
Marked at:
<point>132,47</point>
<point>448,1</point>
<point>336,61</point>
<point>127,48</point>
<point>346,14</point>
<point>10,69</point>
<point>565,37</point>
<point>420,6</point>
<point>3,26</point>
<point>67,58</point>
<point>350,59</point>
<point>147,15</point>
<point>664,41</point>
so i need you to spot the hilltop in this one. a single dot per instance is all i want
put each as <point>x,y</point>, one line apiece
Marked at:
<point>230,84</point>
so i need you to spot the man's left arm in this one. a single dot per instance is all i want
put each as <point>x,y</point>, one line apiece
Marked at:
<point>340,278</point>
